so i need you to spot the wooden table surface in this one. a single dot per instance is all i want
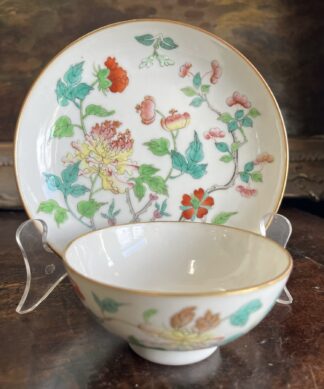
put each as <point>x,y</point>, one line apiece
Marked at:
<point>60,345</point>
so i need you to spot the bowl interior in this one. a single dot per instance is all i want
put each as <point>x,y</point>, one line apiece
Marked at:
<point>177,257</point>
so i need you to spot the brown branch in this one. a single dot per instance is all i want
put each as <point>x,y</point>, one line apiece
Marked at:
<point>129,203</point>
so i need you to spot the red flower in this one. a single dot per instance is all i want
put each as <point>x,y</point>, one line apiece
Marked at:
<point>239,99</point>
<point>246,191</point>
<point>216,71</point>
<point>117,75</point>
<point>196,205</point>
<point>185,69</point>
<point>147,110</point>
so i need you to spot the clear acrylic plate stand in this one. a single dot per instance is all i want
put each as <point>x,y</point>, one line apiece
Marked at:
<point>45,269</point>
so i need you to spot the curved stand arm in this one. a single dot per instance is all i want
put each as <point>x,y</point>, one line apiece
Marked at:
<point>278,230</point>
<point>44,268</point>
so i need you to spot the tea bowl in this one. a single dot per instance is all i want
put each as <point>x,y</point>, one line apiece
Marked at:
<point>175,291</point>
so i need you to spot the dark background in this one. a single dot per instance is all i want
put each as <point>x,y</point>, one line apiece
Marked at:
<point>283,38</point>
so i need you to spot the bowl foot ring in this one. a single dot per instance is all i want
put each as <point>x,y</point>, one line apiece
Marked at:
<point>174,358</point>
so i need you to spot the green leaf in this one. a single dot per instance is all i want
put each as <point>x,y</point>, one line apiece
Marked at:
<point>159,146</point>
<point>146,39</point>
<point>234,147</point>
<point>61,93</point>
<point>223,217</point>
<point>168,44</point>
<point>88,208</point>
<point>197,170</point>
<point>53,182</point>
<point>247,122</point>
<point>232,125</point>
<point>249,166</point>
<point>147,170</point>
<point>256,176</point>
<point>156,184</point>
<point>245,177</point>
<point>164,206</point>
<point>78,190</point>
<point>253,112</point>
<point>196,80</point>
<point>239,114</point>
<point>103,82</point>
<point>60,215</point>
<point>226,158</point>
<point>189,91</point>
<point>97,110</point>
<point>81,91</point>
<point>222,146</point>
<point>197,101</point>
<point>205,88</point>
<point>178,161</point>
<point>194,152</point>
<point>70,173</point>
<point>225,117</point>
<point>149,313</point>
<point>73,75</point>
<point>241,316</point>
<point>63,127</point>
<point>107,304</point>
<point>139,189</point>
<point>47,206</point>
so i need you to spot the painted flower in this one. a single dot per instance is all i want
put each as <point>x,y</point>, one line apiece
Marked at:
<point>147,110</point>
<point>185,69</point>
<point>182,318</point>
<point>106,153</point>
<point>117,76</point>
<point>196,205</point>
<point>175,121</point>
<point>238,99</point>
<point>264,158</point>
<point>179,338</point>
<point>245,191</point>
<point>208,321</point>
<point>214,133</point>
<point>216,72</point>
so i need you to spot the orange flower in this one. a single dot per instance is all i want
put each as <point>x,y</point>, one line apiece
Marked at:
<point>264,158</point>
<point>175,121</point>
<point>182,318</point>
<point>196,205</point>
<point>207,322</point>
<point>117,76</point>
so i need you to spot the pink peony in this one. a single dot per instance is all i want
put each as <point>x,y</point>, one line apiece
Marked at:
<point>246,191</point>
<point>239,99</point>
<point>216,72</point>
<point>214,133</point>
<point>185,69</point>
<point>147,110</point>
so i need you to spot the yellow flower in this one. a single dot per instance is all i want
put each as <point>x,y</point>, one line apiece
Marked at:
<point>107,153</point>
<point>175,121</point>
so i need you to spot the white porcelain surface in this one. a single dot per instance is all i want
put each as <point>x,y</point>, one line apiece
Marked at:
<point>178,287</point>
<point>222,157</point>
